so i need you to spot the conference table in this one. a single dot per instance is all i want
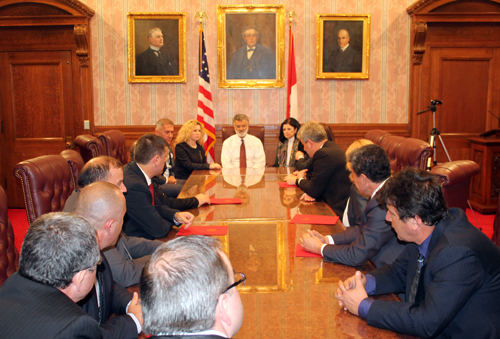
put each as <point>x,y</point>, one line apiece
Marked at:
<point>284,296</point>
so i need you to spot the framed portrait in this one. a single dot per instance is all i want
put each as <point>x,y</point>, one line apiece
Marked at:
<point>156,47</point>
<point>250,46</point>
<point>342,46</point>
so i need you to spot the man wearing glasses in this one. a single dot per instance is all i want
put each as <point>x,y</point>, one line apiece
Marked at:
<point>189,290</point>
<point>252,61</point>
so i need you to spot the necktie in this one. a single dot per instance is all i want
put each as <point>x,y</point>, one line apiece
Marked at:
<point>243,155</point>
<point>99,292</point>
<point>414,285</point>
<point>151,189</point>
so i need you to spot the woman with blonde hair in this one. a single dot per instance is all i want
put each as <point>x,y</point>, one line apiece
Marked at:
<point>189,152</point>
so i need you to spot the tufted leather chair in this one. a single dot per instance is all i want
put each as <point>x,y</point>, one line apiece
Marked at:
<point>391,143</point>
<point>75,162</point>
<point>89,146</point>
<point>455,177</point>
<point>257,131</point>
<point>376,135</point>
<point>413,153</point>
<point>9,257</point>
<point>114,145</point>
<point>47,182</point>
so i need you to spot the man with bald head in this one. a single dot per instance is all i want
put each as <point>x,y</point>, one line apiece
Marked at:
<point>128,257</point>
<point>103,205</point>
<point>344,58</point>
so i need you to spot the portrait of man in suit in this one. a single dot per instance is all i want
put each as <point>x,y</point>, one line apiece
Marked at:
<point>154,61</point>
<point>344,58</point>
<point>252,60</point>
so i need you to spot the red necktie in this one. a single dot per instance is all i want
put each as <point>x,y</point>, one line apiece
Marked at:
<point>243,155</point>
<point>151,189</point>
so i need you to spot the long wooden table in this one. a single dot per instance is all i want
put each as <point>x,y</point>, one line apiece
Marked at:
<point>284,296</point>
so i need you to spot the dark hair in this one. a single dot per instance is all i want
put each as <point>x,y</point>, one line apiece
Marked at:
<point>148,146</point>
<point>372,161</point>
<point>56,247</point>
<point>181,284</point>
<point>292,122</point>
<point>97,169</point>
<point>416,192</point>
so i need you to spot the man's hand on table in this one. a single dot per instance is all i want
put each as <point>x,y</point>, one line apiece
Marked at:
<point>307,198</point>
<point>290,179</point>
<point>311,242</point>
<point>351,292</point>
<point>202,199</point>
<point>171,180</point>
<point>185,218</point>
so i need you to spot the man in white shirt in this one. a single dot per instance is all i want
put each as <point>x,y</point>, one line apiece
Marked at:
<point>242,143</point>
<point>189,290</point>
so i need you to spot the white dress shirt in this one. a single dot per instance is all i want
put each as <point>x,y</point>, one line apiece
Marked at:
<point>230,155</point>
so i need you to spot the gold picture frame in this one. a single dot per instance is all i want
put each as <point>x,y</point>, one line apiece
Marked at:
<point>267,62</point>
<point>333,33</point>
<point>145,65</point>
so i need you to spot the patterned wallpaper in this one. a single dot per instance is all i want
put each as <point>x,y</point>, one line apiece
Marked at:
<point>381,99</point>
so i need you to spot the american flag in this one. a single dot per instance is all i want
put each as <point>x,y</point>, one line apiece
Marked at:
<point>291,88</point>
<point>205,109</point>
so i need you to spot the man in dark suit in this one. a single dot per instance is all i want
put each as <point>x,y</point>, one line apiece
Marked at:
<point>330,179</point>
<point>449,269</point>
<point>153,61</point>
<point>103,205</point>
<point>146,217</point>
<point>252,61</point>
<point>345,58</point>
<point>56,269</point>
<point>374,239</point>
<point>189,291</point>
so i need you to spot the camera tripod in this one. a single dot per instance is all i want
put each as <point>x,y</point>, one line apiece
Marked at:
<point>434,133</point>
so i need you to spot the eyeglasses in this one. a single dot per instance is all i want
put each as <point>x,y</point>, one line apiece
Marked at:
<point>239,278</point>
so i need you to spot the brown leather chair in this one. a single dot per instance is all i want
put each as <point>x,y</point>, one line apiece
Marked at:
<point>455,177</point>
<point>376,135</point>
<point>114,145</point>
<point>391,143</point>
<point>47,182</point>
<point>257,131</point>
<point>89,146</point>
<point>329,132</point>
<point>75,162</point>
<point>9,256</point>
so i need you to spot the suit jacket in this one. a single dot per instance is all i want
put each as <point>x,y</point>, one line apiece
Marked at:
<point>458,293</point>
<point>128,258</point>
<point>148,63</point>
<point>33,310</point>
<point>347,61</point>
<point>356,207</point>
<point>330,179</point>
<point>115,299</point>
<point>142,218</point>
<point>262,64</point>
<point>373,240</point>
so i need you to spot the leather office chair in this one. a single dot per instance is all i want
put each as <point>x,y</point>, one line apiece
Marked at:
<point>114,145</point>
<point>256,131</point>
<point>9,256</point>
<point>455,177</point>
<point>413,152</point>
<point>47,182</point>
<point>75,162</point>
<point>376,135</point>
<point>329,132</point>
<point>89,146</point>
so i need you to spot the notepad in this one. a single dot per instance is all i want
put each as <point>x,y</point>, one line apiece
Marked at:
<point>301,252</point>
<point>285,185</point>
<point>314,219</point>
<point>227,201</point>
<point>202,230</point>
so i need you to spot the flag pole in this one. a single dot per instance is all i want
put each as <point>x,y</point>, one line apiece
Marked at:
<point>291,93</point>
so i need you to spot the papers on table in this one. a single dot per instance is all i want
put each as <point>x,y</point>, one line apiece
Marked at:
<point>314,219</point>
<point>301,252</point>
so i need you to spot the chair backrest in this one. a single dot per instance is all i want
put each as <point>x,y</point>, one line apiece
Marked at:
<point>455,177</point>
<point>376,135</point>
<point>391,143</point>
<point>413,153</point>
<point>9,256</point>
<point>47,182</point>
<point>89,146</point>
<point>329,132</point>
<point>114,145</point>
<point>256,131</point>
<point>75,162</point>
